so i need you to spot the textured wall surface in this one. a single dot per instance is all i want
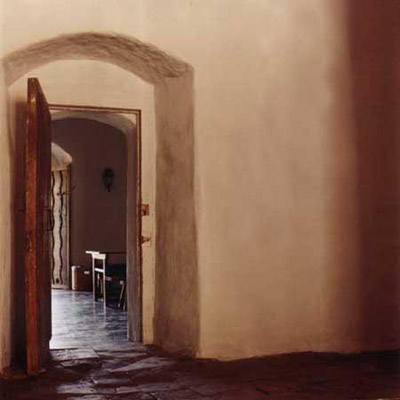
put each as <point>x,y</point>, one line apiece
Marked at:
<point>6,211</point>
<point>177,291</point>
<point>294,186</point>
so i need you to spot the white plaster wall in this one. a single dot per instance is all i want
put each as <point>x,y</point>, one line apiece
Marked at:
<point>276,160</point>
<point>269,183</point>
<point>5,227</point>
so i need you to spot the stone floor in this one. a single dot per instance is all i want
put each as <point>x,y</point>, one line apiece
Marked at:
<point>93,361</point>
<point>78,321</point>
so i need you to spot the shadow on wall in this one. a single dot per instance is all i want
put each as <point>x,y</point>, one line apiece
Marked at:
<point>177,293</point>
<point>374,31</point>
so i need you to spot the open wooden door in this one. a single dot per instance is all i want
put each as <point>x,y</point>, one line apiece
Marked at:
<point>38,226</point>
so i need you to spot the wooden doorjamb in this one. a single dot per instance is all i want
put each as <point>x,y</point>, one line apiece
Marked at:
<point>37,224</point>
<point>134,275</point>
<point>108,110</point>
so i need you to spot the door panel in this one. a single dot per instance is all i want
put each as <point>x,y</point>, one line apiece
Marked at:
<point>38,226</point>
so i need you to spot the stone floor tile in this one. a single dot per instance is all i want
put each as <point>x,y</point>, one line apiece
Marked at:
<point>135,396</point>
<point>210,388</point>
<point>118,363</point>
<point>241,393</point>
<point>121,345</point>
<point>90,397</point>
<point>114,382</point>
<point>123,355</point>
<point>185,394</point>
<point>148,388</point>
<point>76,388</point>
<point>191,381</point>
<point>73,354</point>
<point>181,395</point>
<point>84,364</point>
<point>152,362</point>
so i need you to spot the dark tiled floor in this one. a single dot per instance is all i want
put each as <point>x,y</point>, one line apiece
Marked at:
<point>105,366</point>
<point>78,321</point>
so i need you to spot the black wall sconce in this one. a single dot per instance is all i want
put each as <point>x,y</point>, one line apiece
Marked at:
<point>108,178</point>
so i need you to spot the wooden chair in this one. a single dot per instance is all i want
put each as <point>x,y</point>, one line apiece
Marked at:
<point>103,273</point>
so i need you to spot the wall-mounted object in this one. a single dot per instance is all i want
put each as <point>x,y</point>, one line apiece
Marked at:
<point>145,239</point>
<point>108,178</point>
<point>145,209</point>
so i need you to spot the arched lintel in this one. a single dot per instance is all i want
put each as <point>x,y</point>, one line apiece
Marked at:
<point>118,121</point>
<point>142,59</point>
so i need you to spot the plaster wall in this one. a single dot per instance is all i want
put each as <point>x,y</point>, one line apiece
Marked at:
<point>6,282</point>
<point>286,204</point>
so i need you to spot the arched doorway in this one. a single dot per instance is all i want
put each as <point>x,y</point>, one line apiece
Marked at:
<point>176,319</point>
<point>98,220</point>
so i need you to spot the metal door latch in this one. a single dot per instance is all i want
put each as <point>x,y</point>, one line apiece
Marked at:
<point>145,209</point>
<point>145,239</point>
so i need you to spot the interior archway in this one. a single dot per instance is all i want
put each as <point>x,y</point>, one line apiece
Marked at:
<point>121,122</point>
<point>176,319</point>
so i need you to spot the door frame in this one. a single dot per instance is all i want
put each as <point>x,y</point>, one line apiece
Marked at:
<point>134,272</point>
<point>37,220</point>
